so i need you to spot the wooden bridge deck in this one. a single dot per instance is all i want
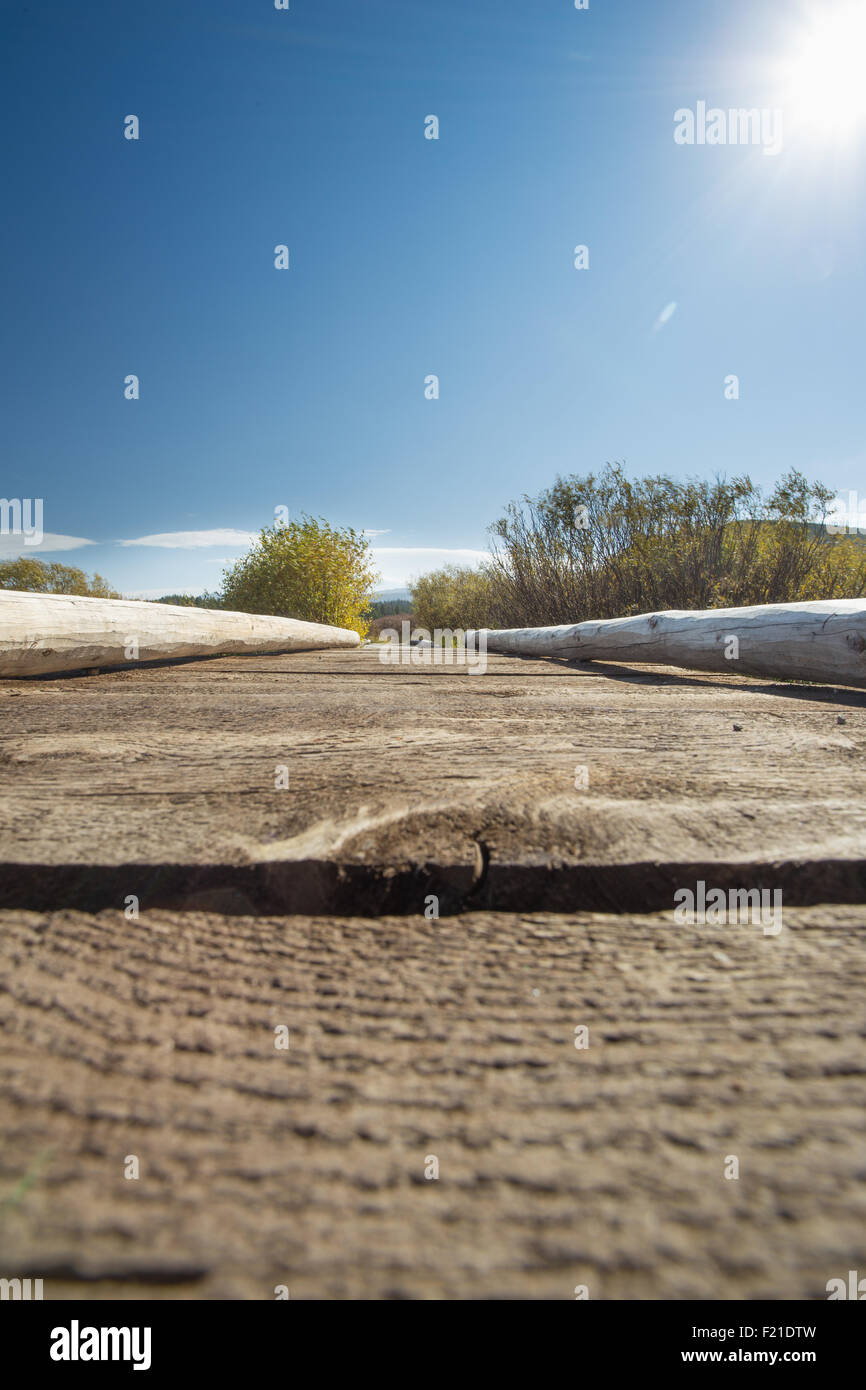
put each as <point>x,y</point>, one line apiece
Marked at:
<point>262,908</point>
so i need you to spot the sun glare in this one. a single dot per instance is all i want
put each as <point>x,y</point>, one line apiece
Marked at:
<point>825,81</point>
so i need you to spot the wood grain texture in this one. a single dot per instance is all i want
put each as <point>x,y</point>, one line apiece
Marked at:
<point>823,641</point>
<point>45,633</point>
<point>452,1038</point>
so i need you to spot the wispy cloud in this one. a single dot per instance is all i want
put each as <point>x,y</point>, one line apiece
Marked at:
<point>665,316</point>
<point>13,546</point>
<point>194,540</point>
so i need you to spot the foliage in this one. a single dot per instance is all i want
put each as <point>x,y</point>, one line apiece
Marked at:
<point>304,569</point>
<point>390,622</point>
<point>41,577</point>
<point>204,600</point>
<point>606,546</point>
<point>455,597</point>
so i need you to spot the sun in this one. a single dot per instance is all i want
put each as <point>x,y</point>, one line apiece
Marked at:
<point>825,79</point>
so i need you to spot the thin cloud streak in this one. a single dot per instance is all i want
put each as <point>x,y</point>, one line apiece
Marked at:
<point>194,540</point>
<point>11,547</point>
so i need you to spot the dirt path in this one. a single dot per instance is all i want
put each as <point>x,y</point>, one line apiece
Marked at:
<point>411,1038</point>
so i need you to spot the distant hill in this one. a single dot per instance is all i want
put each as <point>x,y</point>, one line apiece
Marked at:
<point>387,608</point>
<point>400,596</point>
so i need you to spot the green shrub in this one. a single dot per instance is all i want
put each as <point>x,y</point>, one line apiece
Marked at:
<point>305,569</point>
<point>454,597</point>
<point>204,600</point>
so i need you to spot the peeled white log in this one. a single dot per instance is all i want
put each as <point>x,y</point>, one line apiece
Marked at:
<point>822,641</point>
<point>41,633</point>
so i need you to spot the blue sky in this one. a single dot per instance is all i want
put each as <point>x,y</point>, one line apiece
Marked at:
<point>408,257</point>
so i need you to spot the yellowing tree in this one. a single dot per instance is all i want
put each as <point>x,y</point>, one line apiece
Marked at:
<point>305,569</point>
<point>28,573</point>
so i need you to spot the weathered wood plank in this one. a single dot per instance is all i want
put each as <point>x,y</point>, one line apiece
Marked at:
<point>397,767</point>
<point>45,633</point>
<point>410,1036</point>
